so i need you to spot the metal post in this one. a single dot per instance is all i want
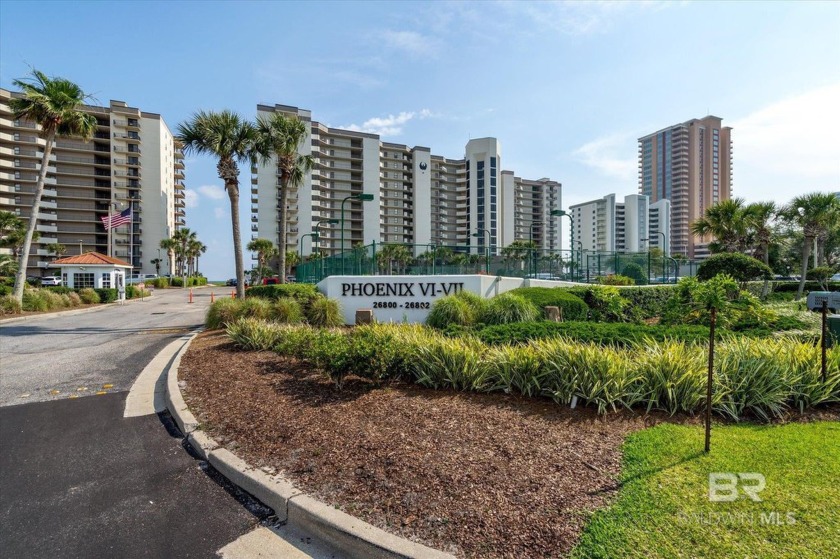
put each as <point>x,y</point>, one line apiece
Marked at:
<point>342,232</point>
<point>824,332</point>
<point>709,380</point>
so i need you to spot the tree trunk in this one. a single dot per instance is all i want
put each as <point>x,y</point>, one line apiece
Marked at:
<point>806,254</point>
<point>281,225</point>
<point>232,187</point>
<point>766,289</point>
<point>20,276</point>
<point>712,321</point>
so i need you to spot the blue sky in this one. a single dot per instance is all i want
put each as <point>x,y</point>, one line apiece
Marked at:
<point>567,87</point>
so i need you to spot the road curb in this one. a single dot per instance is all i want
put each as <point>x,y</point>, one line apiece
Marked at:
<point>69,312</point>
<point>353,536</point>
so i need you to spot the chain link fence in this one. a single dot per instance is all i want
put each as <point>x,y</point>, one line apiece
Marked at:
<point>515,261</point>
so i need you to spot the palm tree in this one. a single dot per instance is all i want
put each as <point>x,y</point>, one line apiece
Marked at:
<point>727,222</point>
<point>759,216</point>
<point>265,250</point>
<point>282,136</point>
<point>156,262</point>
<point>170,246</point>
<point>292,260</point>
<point>57,249</point>
<point>817,214</point>
<point>232,140</point>
<point>183,237</point>
<point>196,248</point>
<point>52,103</point>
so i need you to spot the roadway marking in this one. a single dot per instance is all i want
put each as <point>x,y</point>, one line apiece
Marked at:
<point>107,386</point>
<point>100,392</point>
<point>54,392</point>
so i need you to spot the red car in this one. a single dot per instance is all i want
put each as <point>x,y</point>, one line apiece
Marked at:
<point>271,281</point>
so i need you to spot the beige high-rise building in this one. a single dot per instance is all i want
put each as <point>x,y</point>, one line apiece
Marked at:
<point>131,160</point>
<point>689,164</point>
<point>419,198</point>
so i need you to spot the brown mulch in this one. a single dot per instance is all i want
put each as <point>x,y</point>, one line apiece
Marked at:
<point>480,475</point>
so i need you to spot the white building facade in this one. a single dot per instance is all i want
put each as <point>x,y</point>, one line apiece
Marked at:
<point>419,198</point>
<point>634,225</point>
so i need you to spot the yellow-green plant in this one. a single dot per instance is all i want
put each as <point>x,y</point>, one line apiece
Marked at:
<point>673,374</point>
<point>450,363</point>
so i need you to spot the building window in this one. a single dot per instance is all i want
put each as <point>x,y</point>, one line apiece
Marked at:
<point>83,280</point>
<point>493,162</point>
<point>106,280</point>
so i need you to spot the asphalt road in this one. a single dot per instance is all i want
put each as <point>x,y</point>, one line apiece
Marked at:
<point>79,480</point>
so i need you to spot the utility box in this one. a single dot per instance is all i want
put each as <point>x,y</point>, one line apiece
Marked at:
<point>833,327</point>
<point>816,298</point>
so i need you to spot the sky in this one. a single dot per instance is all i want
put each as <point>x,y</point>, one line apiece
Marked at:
<point>566,87</point>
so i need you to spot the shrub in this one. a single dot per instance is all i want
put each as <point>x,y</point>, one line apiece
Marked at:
<point>821,275</point>
<point>324,313</point>
<point>451,310</point>
<point>75,300</point>
<point>222,313</point>
<point>515,369</point>
<point>743,311</point>
<point>739,266</point>
<point>474,301</point>
<point>89,296</point>
<point>107,295</point>
<point>60,289</point>
<point>674,376</point>
<point>330,351</point>
<point>601,333</point>
<point>159,283</point>
<point>605,302</point>
<point>254,334</point>
<point>636,273</point>
<point>648,302</point>
<point>33,301</point>
<point>261,309</point>
<point>449,363</point>
<point>134,292</point>
<point>6,290</point>
<point>9,305</point>
<point>53,300</point>
<point>287,310</point>
<point>301,291</point>
<point>379,352</point>
<point>616,279</point>
<point>572,306</point>
<point>507,308</point>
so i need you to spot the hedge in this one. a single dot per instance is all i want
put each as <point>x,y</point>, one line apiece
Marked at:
<point>107,295</point>
<point>648,302</point>
<point>572,306</point>
<point>192,281</point>
<point>299,291</point>
<point>618,334</point>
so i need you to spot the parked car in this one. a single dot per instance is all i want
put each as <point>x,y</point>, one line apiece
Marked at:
<point>231,282</point>
<point>291,279</point>
<point>835,277</point>
<point>47,281</point>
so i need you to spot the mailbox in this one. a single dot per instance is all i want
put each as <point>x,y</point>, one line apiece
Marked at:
<point>816,298</point>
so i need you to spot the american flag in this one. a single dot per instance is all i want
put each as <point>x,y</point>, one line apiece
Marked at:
<point>117,219</point>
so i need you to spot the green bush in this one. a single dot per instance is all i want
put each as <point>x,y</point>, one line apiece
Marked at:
<point>451,310</point>
<point>158,283</point>
<point>75,300</point>
<point>89,296</point>
<point>519,369</point>
<point>254,334</point>
<point>192,281</point>
<point>6,290</point>
<point>261,309</point>
<point>330,352</point>
<point>605,302</point>
<point>222,313</point>
<point>743,310</point>
<point>33,301</point>
<point>647,302</point>
<point>673,375</point>
<point>740,267</point>
<point>572,306</point>
<point>449,363</point>
<point>287,310</point>
<point>379,352</point>
<point>107,295</point>
<point>616,279</point>
<point>636,273</point>
<point>507,308</point>
<point>60,289</point>
<point>323,312</point>
<point>603,333</point>
<point>9,305</point>
<point>303,292</point>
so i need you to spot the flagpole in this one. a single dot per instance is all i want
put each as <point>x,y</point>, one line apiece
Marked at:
<point>110,235</point>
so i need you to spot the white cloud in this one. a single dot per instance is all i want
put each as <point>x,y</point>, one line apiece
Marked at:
<point>191,198</point>
<point>788,147</point>
<point>392,125</point>
<point>613,156</point>
<point>579,18</point>
<point>411,42</point>
<point>219,212</point>
<point>212,191</point>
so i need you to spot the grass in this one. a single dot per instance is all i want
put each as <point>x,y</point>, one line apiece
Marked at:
<point>663,509</point>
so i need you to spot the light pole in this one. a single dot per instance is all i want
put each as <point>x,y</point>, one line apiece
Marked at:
<point>531,248</point>
<point>360,197</point>
<point>562,213</point>
<point>480,232</point>
<point>318,232</point>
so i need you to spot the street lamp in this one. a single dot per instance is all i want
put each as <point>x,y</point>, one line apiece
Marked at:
<point>531,246</point>
<point>302,237</point>
<point>480,233</point>
<point>360,197</point>
<point>561,213</point>
<point>318,232</point>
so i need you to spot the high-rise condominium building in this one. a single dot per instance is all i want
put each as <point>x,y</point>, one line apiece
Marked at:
<point>604,225</point>
<point>418,198</point>
<point>132,160</point>
<point>689,164</point>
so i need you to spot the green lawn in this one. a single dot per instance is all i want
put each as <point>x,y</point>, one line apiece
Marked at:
<point>663,508</point>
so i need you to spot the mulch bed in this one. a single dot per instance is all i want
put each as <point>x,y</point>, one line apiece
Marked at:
<point>480,475</point>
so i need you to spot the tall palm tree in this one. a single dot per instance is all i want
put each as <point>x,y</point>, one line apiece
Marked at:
<point>184,236</point>
<point>759,216</point>
<point>727,222</point>
<point>196,249</point>
<point>816,213</point>
<point>265,250</point>
<point>282,136</point>
<point>232,140</point>
<point>170,246</point>
<point>53,104</point>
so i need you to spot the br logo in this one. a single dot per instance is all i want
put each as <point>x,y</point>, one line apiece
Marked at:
<point>423,165</point>
<point>724,486</point>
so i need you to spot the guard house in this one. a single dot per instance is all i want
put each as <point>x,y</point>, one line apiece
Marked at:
<point>92,269</point>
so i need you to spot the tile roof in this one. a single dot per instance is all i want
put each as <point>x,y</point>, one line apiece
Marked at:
<point>91,259</point>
